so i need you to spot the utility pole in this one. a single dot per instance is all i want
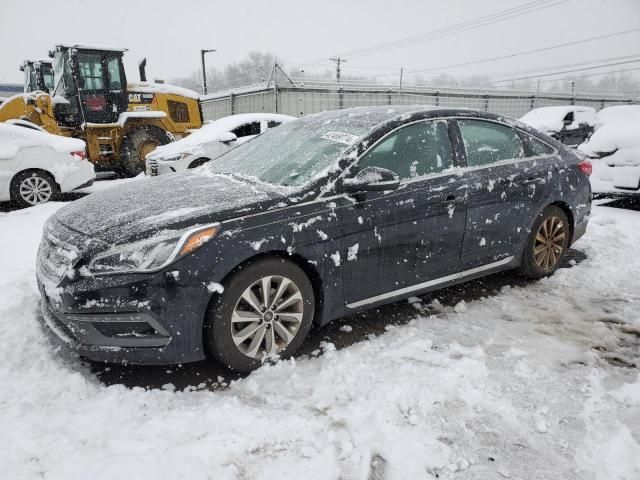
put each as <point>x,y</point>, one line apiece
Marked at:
<point>400,85</point>
<point>204,70</point>
<point>338,61</point>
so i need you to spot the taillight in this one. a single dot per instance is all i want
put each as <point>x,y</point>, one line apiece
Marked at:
<point>586,167</point>
<point>79,155</point>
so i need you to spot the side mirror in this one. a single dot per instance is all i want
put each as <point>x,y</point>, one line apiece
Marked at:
<point>372,179</point>
<point>227,137</point>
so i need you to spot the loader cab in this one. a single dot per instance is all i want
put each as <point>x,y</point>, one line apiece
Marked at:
<point>38,75</point>
<point>90,85</point>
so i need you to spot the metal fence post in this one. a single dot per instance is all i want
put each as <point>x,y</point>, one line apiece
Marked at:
<point>486,102</point>
<point>533,102</point>
<point>437,98</point>
<point>231,106</point>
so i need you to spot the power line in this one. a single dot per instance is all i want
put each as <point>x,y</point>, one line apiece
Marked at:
<point>495,17</point>
<point>527,52</point>
<point>620,70</point>
<point>566,71</point>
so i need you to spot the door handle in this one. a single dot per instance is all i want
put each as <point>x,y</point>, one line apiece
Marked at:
<point>454,199</point>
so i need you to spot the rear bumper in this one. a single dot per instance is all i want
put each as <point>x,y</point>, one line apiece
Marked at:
<point>80,176</point>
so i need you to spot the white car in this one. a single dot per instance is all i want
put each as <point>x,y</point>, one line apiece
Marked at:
<point>211,141</point>
<point>35,165</point>
<point>615,150</point>
<point>570,124</point>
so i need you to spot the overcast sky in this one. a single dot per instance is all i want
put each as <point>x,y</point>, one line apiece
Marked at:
<point>170,33</point>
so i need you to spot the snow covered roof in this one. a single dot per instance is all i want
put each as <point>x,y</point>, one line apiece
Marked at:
<point>147,87</point>
<point>211,131</point>
<point>82,46</point>
<point>550,119</point>
<point>13,138</point>
<point>618,142</point>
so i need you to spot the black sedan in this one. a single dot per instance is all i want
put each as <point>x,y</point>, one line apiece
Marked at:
<point>321,217</point>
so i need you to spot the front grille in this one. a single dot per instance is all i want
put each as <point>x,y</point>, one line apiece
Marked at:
<point>152,168</point>
<point>56,258</point>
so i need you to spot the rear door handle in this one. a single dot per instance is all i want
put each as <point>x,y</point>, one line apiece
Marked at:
<point>454,199</point>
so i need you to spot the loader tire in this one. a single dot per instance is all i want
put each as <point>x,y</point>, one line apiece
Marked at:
<point>137,143</point>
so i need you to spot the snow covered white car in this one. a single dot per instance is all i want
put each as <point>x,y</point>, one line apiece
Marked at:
<point>35,165</point>
<point>570,124</point>
<point>210,141</point>
<point>318,218</point>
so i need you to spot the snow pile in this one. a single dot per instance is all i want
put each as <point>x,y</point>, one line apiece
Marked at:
<point>618,142</point>
<point>211,132</point>
<point>13,138</point>
<point>550,119</point>
<point>521,384</point>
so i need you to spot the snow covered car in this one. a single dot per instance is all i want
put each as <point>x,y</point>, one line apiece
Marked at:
<point>35,165</point>
<point>569,124</point>
<point>617,114</point>
<point>319,218</point>
<point>615,150</point>
<point>210,141</point>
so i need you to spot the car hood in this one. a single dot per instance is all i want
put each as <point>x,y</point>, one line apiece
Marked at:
<point>144,207</point>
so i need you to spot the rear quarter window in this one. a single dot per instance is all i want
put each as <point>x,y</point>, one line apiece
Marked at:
<point>488,142</point>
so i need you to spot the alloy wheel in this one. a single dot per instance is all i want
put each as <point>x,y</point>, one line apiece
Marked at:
<point>35,190</point>
<point>267,317</point>
<point>549,244</point>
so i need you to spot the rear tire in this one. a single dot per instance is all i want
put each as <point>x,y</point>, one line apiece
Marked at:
<point>273,328</point>
<point>33,188</point>
<point>547,243</point>
<point>136,144</point>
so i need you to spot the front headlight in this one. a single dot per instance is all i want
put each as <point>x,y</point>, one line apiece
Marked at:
<point>152,254</point>
<point>175,158</point>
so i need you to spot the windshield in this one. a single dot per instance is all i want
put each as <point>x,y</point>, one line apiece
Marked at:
<point>295,153</point>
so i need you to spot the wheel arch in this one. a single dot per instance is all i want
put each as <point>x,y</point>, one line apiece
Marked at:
<point>300,261</point>
<point>569,213</point>
<point>35,170</point>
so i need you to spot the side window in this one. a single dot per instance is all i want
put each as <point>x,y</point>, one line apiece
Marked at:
<point>537,147</point>
<point>413,151</point>
<point>90,71</point>
<point>246,129</point>
<point>113,67</point>
<point>488,142</point>
<point>273,123</point>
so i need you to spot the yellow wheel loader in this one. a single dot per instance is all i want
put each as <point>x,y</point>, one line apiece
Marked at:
<point>91,100</point>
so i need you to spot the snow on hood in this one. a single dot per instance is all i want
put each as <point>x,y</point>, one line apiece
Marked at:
<point>618,142</point>
<point>550,119</point>
<point>13,138</point>
<point>153,204</point>
<point>210,132</point>
<point>147,87</point>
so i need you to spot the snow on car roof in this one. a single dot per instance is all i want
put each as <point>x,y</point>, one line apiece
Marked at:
<point>211,131</point>
<point>13,138</point>
<point>147,87</point>
<point>617,113</point>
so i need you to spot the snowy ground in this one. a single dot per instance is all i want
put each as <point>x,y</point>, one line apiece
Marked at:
<point>534,381</point>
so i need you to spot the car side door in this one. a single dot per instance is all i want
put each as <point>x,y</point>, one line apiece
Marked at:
<point>506,184</point>
<point>394,240</point>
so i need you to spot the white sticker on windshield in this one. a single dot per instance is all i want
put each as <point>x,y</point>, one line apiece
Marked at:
<point>340,137</point>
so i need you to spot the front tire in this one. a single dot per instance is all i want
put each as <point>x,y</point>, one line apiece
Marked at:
<point>547,243</point>
<point>32,188</point>
<point>137,144</point>
<point>264,312</point>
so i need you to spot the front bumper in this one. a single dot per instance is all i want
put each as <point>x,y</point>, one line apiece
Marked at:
<point>145,321</point>
<point>156,167</point>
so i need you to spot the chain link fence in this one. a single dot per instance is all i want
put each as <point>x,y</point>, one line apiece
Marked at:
<point>305,99</point>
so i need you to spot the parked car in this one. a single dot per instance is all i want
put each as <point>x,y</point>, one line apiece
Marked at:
<point>615,150</point>
<point>570,124</point>
<point>617,114</point>
<point>35,165</point>
<point>316,219</point>
<point>210,141</point>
